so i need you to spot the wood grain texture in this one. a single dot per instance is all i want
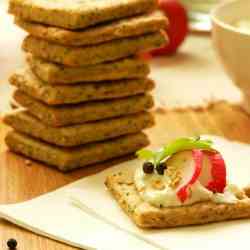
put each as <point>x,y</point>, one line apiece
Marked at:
<point>20,182</point>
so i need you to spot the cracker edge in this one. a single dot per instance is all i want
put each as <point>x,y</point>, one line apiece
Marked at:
<point>14,140</point>
<point>62,36</point>
<point>74,19</point>
<point>23,122</point>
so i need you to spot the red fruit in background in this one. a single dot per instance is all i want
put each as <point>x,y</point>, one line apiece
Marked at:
<point>146,56</point>
<point>177,29</point>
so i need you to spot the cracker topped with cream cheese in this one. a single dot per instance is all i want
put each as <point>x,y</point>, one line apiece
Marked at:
<point>182,183</point>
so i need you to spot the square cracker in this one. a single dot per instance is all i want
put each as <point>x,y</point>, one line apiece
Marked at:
<point>147,216</point>
<point>76,14</point>
<point>23,122</point>
<point>52,73</point>
<point>27,82</point>
<point>64,115</point>
<point>129,27</point>
<point>93,54</point>
<point>66,159</point>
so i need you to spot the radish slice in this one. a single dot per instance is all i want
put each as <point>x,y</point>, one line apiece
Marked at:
<point>206,173</point>
<point>188,164</point>
<point>213,175</point>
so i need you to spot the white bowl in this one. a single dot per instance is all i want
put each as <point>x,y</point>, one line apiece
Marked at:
<point>233,44</point>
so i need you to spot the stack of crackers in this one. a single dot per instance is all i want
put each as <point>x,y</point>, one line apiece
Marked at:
<point>84,94</point>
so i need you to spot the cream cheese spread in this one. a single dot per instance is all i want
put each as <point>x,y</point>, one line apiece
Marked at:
<point>155,189</point>
<point>243,25</point>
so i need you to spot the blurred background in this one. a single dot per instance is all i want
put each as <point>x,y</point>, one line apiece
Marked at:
<point>199,13</point>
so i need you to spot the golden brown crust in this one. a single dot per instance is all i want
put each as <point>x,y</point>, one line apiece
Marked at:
<point>147,216</point>
<point>27,82</point>
<point>76,135</point>
<point>52,73</point>
<point>78,14</point>
<point>128,27</point>
<point>66,159</point>
<point>64,115</point>
<point>90,55</point>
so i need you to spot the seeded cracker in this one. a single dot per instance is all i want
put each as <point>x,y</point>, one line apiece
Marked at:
<point>59,116</point>
<point>76,14</point>
<point>52,73</point>
<point>66,159</point>
<point>128,27</point>
<point>28,83</point>
<point>95,54</point>
<point>78,134</point>
<point>147,216</point>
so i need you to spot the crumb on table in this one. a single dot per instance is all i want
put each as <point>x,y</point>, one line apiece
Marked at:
<point>28,162</point>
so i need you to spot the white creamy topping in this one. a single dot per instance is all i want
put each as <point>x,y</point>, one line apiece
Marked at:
<point>228,196</point>
<point>165,196</point>
<point>243,25</point>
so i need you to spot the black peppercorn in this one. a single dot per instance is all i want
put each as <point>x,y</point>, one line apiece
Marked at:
<point>148,167</point>
<point>197,138</point>
<point>160,168</point>
<point>12,244</point>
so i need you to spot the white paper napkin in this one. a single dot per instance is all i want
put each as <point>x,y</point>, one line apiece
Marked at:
<point>101,224</point>
<point>53,215</point>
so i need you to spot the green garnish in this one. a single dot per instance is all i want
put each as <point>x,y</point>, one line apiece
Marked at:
<point>178,145</point>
